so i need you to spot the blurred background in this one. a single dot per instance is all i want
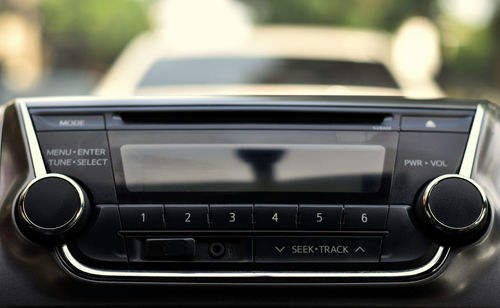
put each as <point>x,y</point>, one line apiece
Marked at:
<point>426,48</point>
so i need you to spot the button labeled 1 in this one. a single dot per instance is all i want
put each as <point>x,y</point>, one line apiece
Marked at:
<point>237,217</point>
<point>275,216</point>
<point>142,217</point>
<point>365,217</point>
<point>186,216</point>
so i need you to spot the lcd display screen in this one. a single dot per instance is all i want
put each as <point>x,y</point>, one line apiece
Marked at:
<point>252,167</point>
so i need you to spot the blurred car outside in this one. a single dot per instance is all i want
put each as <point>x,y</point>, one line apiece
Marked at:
<point>236,58</point>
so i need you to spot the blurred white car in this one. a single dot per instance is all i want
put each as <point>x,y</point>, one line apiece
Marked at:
<point>268,60</point>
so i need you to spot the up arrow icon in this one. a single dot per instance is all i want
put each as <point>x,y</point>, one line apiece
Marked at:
<point>430,124</point>
<point>280,250</point>
<point>359,249</point>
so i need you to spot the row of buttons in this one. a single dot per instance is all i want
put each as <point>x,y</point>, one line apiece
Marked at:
<point>102,243</point>
<point>249,216</point>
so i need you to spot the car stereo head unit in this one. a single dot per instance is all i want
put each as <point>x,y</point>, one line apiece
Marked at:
<point>246,189</point>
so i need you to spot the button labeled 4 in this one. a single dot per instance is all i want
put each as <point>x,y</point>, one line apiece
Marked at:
<point>275,216</point>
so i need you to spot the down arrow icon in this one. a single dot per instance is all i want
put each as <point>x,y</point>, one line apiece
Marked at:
<point>279,249</point>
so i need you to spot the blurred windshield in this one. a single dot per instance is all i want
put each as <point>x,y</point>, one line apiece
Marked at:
<point>206,71</point>
<point>428,48</point>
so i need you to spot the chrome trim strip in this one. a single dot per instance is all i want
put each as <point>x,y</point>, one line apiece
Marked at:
<point>149,101</point>
<point>433,265</point>
<point>36,154</point>
<point>2,115</point>
<point>471,149</point>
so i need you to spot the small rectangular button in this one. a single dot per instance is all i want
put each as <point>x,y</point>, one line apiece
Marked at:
<point>68,122</point>
<point>229,216</point>
<point>437,124</point>
<point>365,217</point>
<point>326,249</point>
<point>142,217</point>
<point>276,216</point>
<point>186,216</point>
<point>169,249</point>
<point>320,217</point>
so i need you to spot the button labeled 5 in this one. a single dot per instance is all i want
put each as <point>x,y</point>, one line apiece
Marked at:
<point>320,217</point>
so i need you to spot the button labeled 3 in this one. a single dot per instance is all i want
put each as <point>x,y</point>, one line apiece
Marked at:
<point>226,216</point>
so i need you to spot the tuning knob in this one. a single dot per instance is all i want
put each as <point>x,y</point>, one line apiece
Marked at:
<point>454,209</point>
<point>52,208</point>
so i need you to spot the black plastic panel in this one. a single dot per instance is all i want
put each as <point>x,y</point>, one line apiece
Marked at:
<point>33,276</point>
<point>84,156</point>
<point>101,245</point>
<point>421,158</point>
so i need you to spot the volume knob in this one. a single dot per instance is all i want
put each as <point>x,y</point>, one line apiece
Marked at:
<point>52,208</point>
<point>453,208</point>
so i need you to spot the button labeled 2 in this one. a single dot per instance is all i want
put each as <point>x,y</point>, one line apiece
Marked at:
<point>226,216</point>
<point>365,217</point>
<point>186,216</point>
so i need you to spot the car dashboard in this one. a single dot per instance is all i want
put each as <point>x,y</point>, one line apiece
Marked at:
<point>249,201</point>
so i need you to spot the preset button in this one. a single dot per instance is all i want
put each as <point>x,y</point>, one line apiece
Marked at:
<point>276,216</point>
<point>142,217</point>
<point>320,217</point>
<point>229,216</point>
<point>186,216</point>
<point>365,217</point>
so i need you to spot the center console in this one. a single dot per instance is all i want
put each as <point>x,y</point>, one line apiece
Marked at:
<point>247,189</point>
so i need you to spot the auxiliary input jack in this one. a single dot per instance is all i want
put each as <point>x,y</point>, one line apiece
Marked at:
<point>216,250</point>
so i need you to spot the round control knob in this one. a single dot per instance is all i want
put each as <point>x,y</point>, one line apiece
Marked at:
<point>453,208</point>
<point>52,208</point>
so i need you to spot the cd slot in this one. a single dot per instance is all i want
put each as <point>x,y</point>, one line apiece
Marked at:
<point>255,118</point>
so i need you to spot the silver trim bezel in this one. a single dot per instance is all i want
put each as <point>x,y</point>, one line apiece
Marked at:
<point>34,147</point>
<point>433,265</point>
<point>71,263</point>
<point>472,143</point>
